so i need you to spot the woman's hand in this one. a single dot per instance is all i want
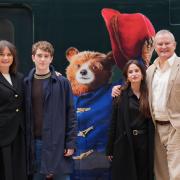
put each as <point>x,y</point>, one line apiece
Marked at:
<point>116,91</point>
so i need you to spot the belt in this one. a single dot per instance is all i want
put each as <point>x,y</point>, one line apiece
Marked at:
<point>136,132</point>
<point>162,122</point>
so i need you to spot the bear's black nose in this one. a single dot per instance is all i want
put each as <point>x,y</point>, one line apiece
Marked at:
<point>83,72</point>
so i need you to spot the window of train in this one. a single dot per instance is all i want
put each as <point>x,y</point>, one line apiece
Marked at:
<point>174,8</point>
<point>16,26</point>
<point>6,30</point>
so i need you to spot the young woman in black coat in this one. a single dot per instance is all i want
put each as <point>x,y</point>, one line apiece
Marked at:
<point>130,145</point>
<point>12,139</point>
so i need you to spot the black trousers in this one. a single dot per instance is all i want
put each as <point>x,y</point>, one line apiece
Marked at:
<point>140,145</point>
<point>12,159</point>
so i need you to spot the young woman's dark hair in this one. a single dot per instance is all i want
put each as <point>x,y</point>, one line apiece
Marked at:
<point>12,48</point>
<point>143,101</point>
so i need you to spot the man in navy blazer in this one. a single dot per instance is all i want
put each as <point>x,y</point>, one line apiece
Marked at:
<point>50,118</point>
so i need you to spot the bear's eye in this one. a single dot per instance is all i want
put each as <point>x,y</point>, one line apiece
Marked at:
<point>94,67</point>
<point>78,66</point>
<point>97,66</point>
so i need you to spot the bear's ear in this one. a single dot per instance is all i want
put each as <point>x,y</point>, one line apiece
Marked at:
<point>110,58</point>
<point>70,52</point>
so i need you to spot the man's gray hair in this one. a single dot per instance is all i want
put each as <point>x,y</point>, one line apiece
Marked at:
<point>165,31</point>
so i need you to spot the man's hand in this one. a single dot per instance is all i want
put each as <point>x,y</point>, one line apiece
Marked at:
<point>49,177</point>
<point>68,152</point>
<point>116,91</point>
<point>110,158</point>
<point>58,73</point>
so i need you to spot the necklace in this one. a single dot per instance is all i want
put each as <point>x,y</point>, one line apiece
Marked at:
<point>43,76</point>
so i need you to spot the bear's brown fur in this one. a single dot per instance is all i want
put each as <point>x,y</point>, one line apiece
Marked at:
<point>98,65</point>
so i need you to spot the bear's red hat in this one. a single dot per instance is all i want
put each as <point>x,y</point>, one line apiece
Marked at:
<point>128,33</point>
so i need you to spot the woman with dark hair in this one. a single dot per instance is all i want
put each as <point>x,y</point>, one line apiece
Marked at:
<point>130,145</point>
<point>12,139</point>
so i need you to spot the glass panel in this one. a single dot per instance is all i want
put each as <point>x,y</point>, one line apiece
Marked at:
<point>6,30</point>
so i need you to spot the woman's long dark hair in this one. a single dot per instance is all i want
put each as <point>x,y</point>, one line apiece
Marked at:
<point>12,49</point>
<point>143,101</point>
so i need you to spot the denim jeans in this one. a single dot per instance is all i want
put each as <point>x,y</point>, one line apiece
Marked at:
<point>38,176</point>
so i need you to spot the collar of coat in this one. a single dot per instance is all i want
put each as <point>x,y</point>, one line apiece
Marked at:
<point>30,76</point>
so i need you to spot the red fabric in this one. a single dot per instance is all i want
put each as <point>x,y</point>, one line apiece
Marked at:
<point>128,33</point>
